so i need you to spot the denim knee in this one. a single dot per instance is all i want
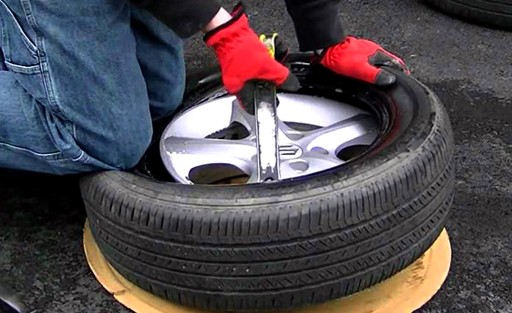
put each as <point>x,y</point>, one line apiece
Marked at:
<point>128,146</point>
<point>172,98</point>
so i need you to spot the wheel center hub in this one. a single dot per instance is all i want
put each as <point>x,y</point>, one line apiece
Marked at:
<point>289,152</point>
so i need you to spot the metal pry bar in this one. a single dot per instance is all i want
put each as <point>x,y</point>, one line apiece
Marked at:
<point>265,108</point>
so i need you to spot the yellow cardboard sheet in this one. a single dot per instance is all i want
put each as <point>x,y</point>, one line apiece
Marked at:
<point>403,293</point>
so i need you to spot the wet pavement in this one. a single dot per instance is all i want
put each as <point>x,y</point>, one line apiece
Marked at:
<point>468,66</point>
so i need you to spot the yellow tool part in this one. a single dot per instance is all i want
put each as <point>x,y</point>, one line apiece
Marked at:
<point>270,43</point>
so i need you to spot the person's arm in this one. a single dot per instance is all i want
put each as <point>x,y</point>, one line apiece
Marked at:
<point>316,23</point>
<point>318,29</point>
<point>241,54</point>
<point>185,17</point>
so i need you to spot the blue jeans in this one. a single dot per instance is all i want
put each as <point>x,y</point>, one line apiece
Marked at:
<point>81,82</point>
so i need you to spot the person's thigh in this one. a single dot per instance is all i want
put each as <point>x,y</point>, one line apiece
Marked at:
<point>77,59</point>
<point>25,143</point>
<point>160,55</point>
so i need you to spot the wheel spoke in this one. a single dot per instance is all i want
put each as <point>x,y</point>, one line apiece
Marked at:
<point>357,130</point>
<point>309,163</point>
<point>194,152</point>
<point>286,133</point>
<point>253,178</point>
<point>238,114</point>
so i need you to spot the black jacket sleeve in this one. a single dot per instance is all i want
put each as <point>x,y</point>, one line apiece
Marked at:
<point>316,23</point>
<point>185,17</point>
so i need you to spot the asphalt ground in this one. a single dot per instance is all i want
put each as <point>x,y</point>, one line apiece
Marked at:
<point>468,66</point>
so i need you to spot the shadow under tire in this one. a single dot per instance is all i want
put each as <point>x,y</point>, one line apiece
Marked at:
<point>493,13</point>
<point>291,243</point>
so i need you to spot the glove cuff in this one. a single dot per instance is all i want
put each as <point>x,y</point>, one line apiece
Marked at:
<point>238,15</point>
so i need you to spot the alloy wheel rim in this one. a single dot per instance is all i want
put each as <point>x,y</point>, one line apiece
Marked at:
<point>315,134</point>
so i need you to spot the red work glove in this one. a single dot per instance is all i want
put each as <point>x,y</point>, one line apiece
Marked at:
<point>243,57</point>
<point>360,59</point>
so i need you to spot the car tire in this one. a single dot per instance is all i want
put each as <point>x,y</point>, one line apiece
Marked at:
<point>494,13</point>
<point>291,243</point>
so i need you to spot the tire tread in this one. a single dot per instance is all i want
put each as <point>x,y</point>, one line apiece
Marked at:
<point>491,13</point>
